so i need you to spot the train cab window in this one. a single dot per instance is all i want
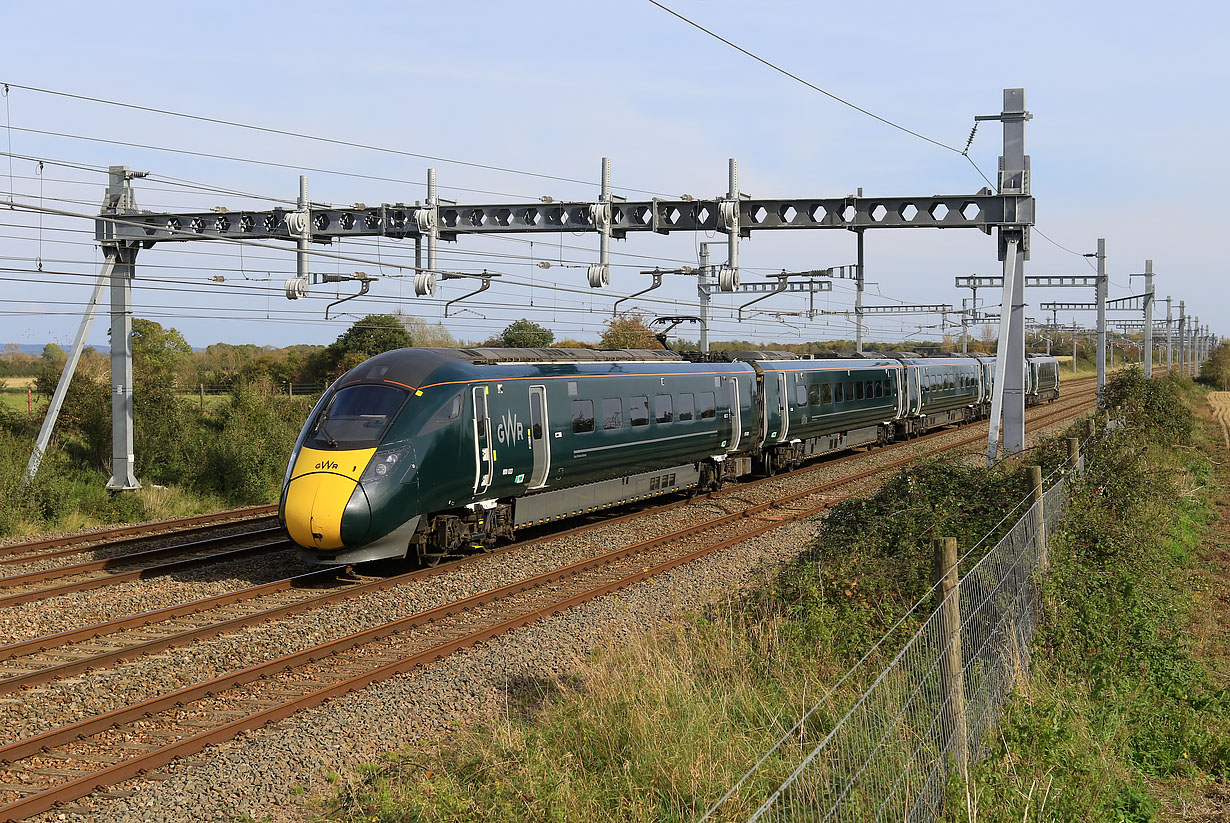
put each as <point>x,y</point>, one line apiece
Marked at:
<point>612,413</point>
<point>356,416</point>
<point>582,416</point>
<point>664,407</point>
<point>858,390</point>
<point>813,394</point>
<point>708,404</point>
<point>638,410</point>
<point>839,394</point>
<point>687,407</point>
<point>800,395</point>
<point>827,396</point>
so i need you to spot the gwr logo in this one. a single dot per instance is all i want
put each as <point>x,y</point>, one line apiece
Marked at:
<point>326,464</point>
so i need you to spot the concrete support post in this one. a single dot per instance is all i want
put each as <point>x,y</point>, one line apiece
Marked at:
<point>1169,337</point>
<point>1101,298</point>
<point>1148,353</point>
<point>1014,242</point>
<point>122,451</point>
<point>702,282</point>
<point>1073,347</point>
<point>952,680</point>
<point>304,241</point>
<point>858,294</point>
<point>1182,337</point>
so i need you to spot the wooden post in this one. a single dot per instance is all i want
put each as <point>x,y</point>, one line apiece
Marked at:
<point>952,679</point>
<point>1035,482</point>
<point>29,401</point>
<point>202,385</point>
<point>1093,427</point>
<point>1074,452</point>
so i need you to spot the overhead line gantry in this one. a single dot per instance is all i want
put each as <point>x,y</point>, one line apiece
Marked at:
<point>123,230</point>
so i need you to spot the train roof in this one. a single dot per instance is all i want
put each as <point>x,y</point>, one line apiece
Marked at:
<point>490,356</point>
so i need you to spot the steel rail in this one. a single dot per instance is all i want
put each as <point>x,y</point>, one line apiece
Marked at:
<point>14,580</point>
<point>143,530</point>
<point>138,574</point>
<point>133,767</point>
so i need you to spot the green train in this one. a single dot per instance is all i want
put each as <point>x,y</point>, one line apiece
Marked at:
<point>423,453</point>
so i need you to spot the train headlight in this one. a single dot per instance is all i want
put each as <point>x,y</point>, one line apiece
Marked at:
<point>383,464</point>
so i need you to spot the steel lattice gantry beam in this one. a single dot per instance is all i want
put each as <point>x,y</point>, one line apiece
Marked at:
<point>983,210</point>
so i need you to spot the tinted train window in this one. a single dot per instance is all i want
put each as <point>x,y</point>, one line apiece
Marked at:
<point>879,387</point>
<point>638,410</point>
<point>827,396</point>
<point>687,407</point>
<point>663,406</point>
<point>800,395</point>
<point>858,390</point>
<point>839,394</point>
<point>813,394</point>
<point>357,415</point>
<point>708,405</point>
<point>612,413</point>
<point>582,416</point>
<point>449,412</point>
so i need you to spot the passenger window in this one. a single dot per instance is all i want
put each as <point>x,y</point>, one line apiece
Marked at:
<point>879,388</point>
<point>664,407</point>
<point>800,395</point>
<point>858,390</point>
<point>687,407</point>
<point>638,410</point>
<point>839,393</point>
<point>612,413</point>
<point>708,405</point>
<point>582,416</point>
<point>828,393</point>
<point>813,394</point>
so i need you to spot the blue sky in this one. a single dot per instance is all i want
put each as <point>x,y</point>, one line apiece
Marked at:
<point>1125,144</point>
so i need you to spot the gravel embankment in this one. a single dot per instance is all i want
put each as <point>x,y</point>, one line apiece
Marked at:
<point>252,775</point>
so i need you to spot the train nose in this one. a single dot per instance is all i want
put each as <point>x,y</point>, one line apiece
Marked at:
<point>323,494</point>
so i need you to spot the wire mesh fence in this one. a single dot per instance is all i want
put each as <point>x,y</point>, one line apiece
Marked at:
<point>892,753</point>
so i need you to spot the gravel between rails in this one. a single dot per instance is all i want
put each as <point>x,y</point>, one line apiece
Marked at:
<point>252,774</point>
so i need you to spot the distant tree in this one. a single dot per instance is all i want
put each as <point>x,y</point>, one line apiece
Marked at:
<point>524,334</point>
<point>569,343</point>
<point>424,333</point>
<point>368,337</point>
<point>628,331</point>
<point>159,354</point>
<point>54,353</point>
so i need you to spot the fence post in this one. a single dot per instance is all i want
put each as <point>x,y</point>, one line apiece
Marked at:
<point>1035,482</point>
<point>202,385</point>
<point>952,682</point>
<point>1074,453</point>
<point>1093,426</point>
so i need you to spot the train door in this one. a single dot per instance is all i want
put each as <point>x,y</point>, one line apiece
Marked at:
<point>540,442</point>
<point>484,460</point>
<point>732,428</point>
<point>783,407</point>
<point>776,419</point>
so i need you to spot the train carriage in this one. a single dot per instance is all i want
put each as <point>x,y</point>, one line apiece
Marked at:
<point>428,452</point>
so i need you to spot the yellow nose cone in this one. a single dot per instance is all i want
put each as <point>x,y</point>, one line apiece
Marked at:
<point>320,487</point>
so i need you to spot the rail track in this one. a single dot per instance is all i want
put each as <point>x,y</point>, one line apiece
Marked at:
<point>178,527</point>
<point>75,760</point>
